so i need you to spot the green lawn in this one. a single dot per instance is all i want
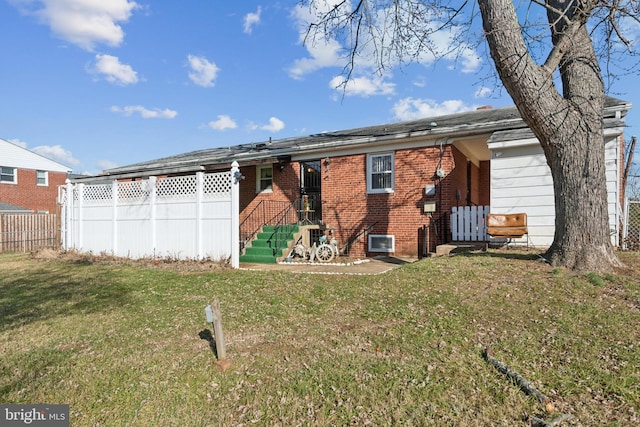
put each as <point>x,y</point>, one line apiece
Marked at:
<point>119,342</point>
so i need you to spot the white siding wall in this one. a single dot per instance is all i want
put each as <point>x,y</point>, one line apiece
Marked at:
<point>15,156</point>
<point>521,182</point>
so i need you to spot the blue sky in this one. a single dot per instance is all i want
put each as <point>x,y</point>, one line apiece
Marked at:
<point>98,84</point>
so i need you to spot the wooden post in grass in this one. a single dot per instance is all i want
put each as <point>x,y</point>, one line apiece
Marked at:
<point>214,315</point>
<point>218,333</point>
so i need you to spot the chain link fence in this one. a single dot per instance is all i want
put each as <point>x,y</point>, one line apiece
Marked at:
<point>631,240</point>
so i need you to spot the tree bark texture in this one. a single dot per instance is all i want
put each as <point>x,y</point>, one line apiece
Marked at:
<point>569,126</point>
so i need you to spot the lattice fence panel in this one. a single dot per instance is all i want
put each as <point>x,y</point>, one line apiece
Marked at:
<point>133,191</point>
<point>217,185</point>
<point>99,194</point>
<point>632,238</point>
<point>179,187</point>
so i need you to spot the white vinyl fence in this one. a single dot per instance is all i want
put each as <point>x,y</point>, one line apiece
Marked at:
<point>468,223</point>
<point>631,226</point>
<point>185,217</point>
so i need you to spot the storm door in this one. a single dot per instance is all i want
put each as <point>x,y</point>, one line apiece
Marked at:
<point>310,191</point>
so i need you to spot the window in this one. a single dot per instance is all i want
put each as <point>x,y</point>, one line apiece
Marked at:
<point>380,173</point>
<point>8,175</point>
<point>382,243</point>
<point>42,178</point>
<point>264,181</point>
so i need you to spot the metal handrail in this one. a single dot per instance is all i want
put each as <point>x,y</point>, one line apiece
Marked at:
<point>264,213</point>
<point>280,227</point>
<point>279,214</point>
<point>345,248</point>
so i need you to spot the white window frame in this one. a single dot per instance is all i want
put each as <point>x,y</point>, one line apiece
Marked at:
<point>259,179</point>
<point>373,237</point>
<point>370,172</point>
<point>46,178</point>
<point>14,175</point>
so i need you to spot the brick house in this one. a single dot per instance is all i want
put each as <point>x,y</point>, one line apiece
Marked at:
<point>28,180</point>
<point>391,188</point>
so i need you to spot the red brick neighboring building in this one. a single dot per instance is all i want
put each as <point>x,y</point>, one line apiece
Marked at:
<point>29,180</point>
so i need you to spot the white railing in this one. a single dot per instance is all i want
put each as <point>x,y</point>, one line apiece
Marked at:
<point>186,217</point>
<point>468,223</point>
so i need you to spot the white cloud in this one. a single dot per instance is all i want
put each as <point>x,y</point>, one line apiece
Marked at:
<point>482,92</point>
<point>252,19</point>
<point>471,61</point>
<point>114,71</point>
<point>275,125</point>
<point>56,153</point>
<point>223,122</point>
<point>52,152</point>
<point>413,109</point>
<point>145,113</point>
<point>324,51</point>
<point>323,55</point>
<point>379,37</point>
<point>84,23</point>
<point>362,86</point>
<point>203,73</point>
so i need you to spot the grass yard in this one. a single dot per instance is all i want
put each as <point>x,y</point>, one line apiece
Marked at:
<point>119,342</point>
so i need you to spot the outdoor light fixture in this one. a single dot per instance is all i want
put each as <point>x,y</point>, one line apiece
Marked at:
<point>326,162</point>
<point>238,176</point>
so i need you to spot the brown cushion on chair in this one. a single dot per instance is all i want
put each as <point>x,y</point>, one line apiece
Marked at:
<point>507,225</point>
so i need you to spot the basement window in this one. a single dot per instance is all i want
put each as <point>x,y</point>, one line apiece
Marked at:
<point>382,243</point>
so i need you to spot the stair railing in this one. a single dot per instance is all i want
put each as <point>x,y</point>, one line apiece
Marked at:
<point>266,212</point>
<point>285,225</point>
<point>345,248</point>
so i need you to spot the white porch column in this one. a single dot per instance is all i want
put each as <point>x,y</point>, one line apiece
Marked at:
<point>199,196</point>
<point>114,217</point>
<point>153,181</point>
<point>67,234</point>
<point>235,215</point>
<point>79,238</point>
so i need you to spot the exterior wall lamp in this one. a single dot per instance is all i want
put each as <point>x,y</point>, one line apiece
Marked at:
<point>238,176</point>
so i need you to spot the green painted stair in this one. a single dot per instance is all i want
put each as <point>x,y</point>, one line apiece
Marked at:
<point>261,249</point>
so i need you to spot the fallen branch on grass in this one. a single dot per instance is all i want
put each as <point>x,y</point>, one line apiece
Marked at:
<point>529,389</point>
<point>522,382</point>
<point>539,422</point>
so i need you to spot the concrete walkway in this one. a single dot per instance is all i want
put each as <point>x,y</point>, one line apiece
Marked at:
<point>376,265</point>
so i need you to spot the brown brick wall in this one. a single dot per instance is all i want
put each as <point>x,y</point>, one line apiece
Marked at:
<point>28,195</point>
<point>348,208</point>
<point>286,187</point>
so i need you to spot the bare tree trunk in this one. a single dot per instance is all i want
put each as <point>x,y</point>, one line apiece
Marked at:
<point>568,126</point>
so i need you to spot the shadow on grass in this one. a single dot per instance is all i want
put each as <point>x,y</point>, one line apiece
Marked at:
<point>48,293</point>
<point>208,336</point>
<point>529,255</point>
<point>30,368</point>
